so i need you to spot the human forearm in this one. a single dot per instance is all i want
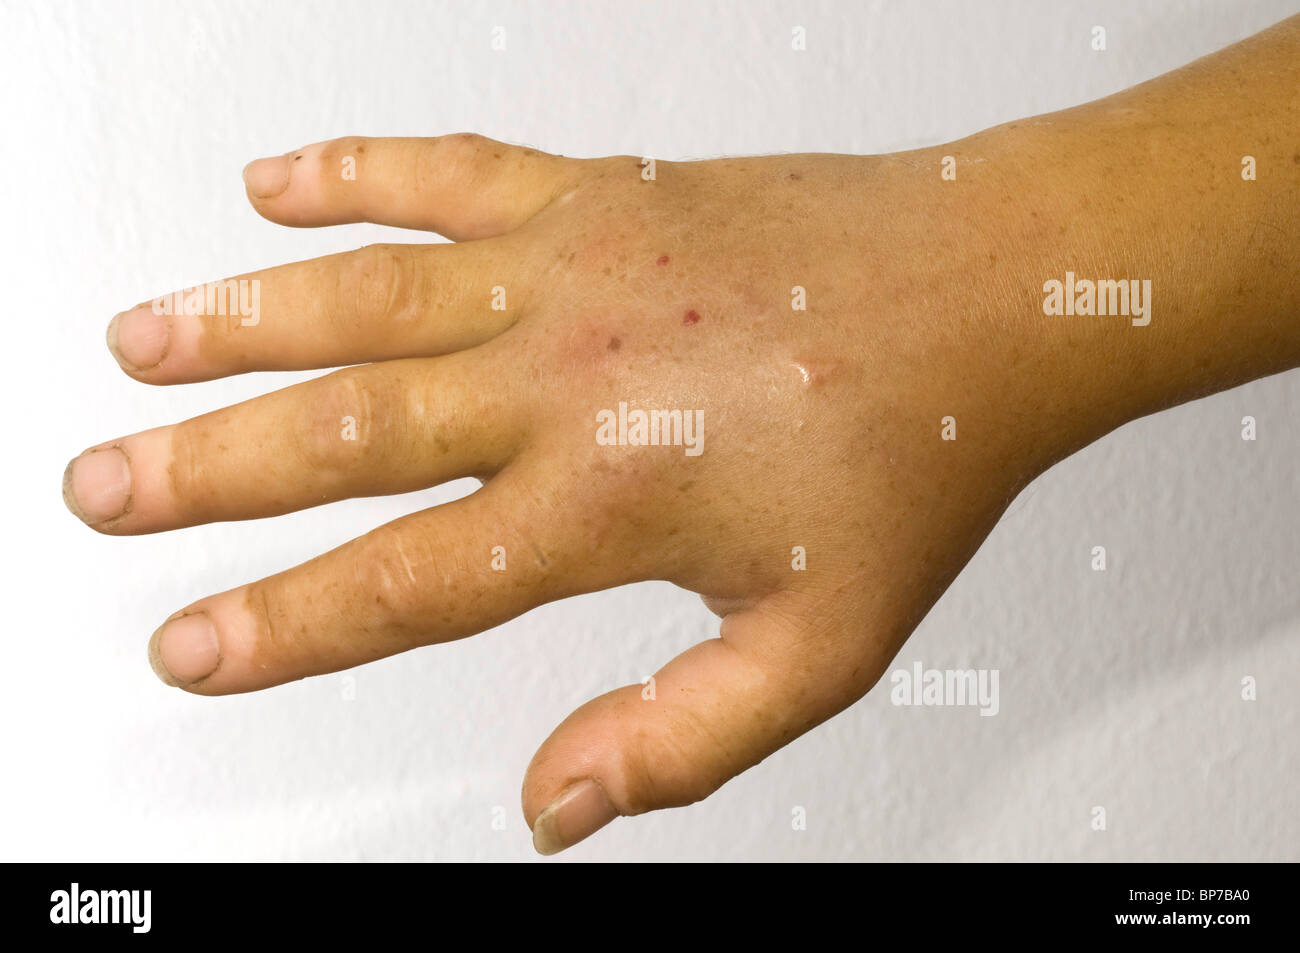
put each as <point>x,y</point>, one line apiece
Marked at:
<point>1153,184</point>
<point>834,322</point>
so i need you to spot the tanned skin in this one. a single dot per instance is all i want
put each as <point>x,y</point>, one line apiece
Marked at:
<point>823,429</point>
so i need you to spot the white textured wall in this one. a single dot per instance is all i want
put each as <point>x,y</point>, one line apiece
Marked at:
<point>125,129</point>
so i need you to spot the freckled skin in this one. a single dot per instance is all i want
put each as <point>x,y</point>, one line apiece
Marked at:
<point>825,513</point>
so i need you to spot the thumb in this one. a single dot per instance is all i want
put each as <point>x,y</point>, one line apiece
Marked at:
<point>715,710</point>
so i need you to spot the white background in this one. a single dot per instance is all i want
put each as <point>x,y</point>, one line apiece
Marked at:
<point>125,129</point>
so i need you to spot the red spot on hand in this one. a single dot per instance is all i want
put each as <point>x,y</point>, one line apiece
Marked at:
<point>663,259</point>
<point>691,317</point>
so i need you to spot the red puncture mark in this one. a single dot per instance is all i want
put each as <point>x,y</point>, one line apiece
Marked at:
<point>691,317</point>
<point>663,259</point>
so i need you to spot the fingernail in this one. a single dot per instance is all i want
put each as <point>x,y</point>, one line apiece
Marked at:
<point>267,178</point>
<point>97,485</point>
<point>579,811</point>
<point>138,338</point>
<point>185,650</point>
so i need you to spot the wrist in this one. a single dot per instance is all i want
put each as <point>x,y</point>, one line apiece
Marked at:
<point>1152,272</point>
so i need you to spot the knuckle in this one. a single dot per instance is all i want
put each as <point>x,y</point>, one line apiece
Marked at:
<point>681,763</point>
<point>375,285</point>
<point>276,639</point>
<point>393,573</point>
<point>352,421</point>
<point>449,158</point>
<point>461,147</point>
<point>335,155</point>
<point>191,472</point>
